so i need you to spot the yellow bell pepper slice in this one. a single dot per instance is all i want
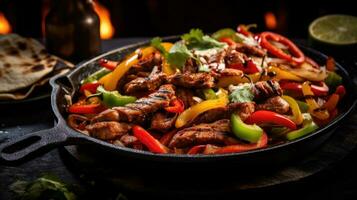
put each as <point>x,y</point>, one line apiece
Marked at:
<point>105,78</point>
<point>111,80</point>
<point>297,116</point>
<point>167,45</point>
<point>314,108</point>
<point>195,110</point>
<point>281,74</point>
<point>87,93</point>
<point>235,80</point>
<point>166,67</point>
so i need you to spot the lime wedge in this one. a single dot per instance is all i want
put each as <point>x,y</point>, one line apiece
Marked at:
<point>334,29</point>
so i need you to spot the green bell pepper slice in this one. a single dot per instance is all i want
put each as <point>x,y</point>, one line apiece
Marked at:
<point>303,106</point>
<point>113,98</point>
<point>96,76</point>
<point>250,133</point>
<point>209,94</point>
<point>306,129</point>
<point>279,131</point>
<point>333,80</point>
<point>227,32</point>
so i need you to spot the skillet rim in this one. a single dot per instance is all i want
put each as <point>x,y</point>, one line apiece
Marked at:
<point>185,157</point>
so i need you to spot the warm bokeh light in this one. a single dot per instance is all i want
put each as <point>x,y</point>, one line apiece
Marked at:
<point>106,27</point>
<point>4,25</point>
<point>270,20</point>
<point>45,10</point>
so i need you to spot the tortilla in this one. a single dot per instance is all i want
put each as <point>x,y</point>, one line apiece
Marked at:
<point>60,68</point>
<point>23,62</point>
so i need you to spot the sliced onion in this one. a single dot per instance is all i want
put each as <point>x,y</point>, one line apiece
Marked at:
<point>306,71</point>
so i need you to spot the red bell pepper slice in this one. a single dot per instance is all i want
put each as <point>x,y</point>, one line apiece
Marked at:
<point>265,116</point>
<point>148,140</point>
<point>85,109</point>
<point>196,149</point>
<point>296,55</point>
<point>332,102</point>
<point>330,64</point>
<point>341,90</point>
<point>249,67</point>
<point>227,40</point>
<point>91,87</point>
<point>244,29</point>
<point>244,147</point>
<point>109,64</point>
<point>318,90</point>
<point>176,106</point>
<point>335,98</point>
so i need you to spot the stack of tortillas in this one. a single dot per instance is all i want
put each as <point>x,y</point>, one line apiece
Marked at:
<point>24,66</point>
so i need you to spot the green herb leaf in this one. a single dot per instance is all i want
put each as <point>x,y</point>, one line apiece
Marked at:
<point>227,32</point>
<point>42,188</point>
<point>241,93</point>
<point>156,43</point>
<point>193,35</point>
<point>195,39</point>
<point>180,51</point>
<point>178,54</point>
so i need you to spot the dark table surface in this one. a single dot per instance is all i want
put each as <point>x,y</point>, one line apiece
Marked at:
<point>336,182</point>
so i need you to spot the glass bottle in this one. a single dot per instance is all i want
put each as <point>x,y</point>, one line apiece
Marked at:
<point>72,30</point>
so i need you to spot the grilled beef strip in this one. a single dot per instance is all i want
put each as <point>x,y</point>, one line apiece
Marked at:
<point>150,83</point>
<point>108,130</point>
<point>236,54</point>
<point>244,110</point>
<point>211,116</point>
<point>129,140</point>
<point>265,89</point>
<point>231,72</point>
<point>138,111</point>
<point>186,96</point>
<point>192,80</point>
<point>190,66</point>
<point>275,104</point>
<point>142,69</point>
<point>249,49</point>
<point>106,115</point>
<point>146,64</point>
<point>213,133</point>
<point>154,59</point>
<point>162,121</point>
<point>234,57</point>
<point>131,77</point>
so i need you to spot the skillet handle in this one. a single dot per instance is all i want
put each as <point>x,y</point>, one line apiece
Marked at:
<point>28,146</point>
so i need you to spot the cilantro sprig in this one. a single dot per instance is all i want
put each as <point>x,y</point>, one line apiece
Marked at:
<point>195,39</point>
<point>181,51</point>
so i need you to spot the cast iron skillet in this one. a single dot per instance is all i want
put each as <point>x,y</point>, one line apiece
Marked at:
<point>26,147</point>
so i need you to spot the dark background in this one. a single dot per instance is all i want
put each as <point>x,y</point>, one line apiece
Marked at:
<point>133,18</point>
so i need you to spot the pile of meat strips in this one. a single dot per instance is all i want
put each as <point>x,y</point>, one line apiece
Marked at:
<point>155,90</point>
